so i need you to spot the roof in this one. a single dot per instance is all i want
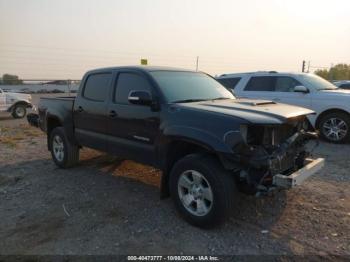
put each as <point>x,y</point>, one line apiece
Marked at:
<point>259,73</point>
<point>142,68</point>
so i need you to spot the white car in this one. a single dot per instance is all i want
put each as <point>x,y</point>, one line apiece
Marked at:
<point>15,103</point>
<point>331,104</point>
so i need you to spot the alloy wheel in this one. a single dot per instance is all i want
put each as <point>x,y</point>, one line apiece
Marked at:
<point>58,148</point>
<point>195,193</point>
<point>335,129</point>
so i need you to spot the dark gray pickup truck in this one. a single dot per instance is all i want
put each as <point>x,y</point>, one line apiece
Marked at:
<point>208,144</point>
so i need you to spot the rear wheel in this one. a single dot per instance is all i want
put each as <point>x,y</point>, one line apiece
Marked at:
<point>19,111</point>
<point>63,153</point>
<point>335,127</point>
<point>202,190</point>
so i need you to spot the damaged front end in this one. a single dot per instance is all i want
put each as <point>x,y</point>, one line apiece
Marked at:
<point>267,152</point>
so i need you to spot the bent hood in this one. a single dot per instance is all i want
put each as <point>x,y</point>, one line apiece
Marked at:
<point>254,111</point>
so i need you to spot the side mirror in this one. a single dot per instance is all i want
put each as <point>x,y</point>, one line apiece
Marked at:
<point>301,89</point>
<point>138,97</point>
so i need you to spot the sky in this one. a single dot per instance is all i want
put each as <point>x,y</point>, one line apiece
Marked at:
<point>61,39</point>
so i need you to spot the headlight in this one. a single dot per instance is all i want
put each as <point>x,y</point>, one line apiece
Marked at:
<point>234,137</point>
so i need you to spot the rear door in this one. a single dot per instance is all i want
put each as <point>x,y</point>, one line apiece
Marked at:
<point>90,110</point>
<point>132,129</point>
<point>3,106</point>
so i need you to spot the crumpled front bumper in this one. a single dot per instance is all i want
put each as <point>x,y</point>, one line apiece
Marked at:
<point>297,178</point>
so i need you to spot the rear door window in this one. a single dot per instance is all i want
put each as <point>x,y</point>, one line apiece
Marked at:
<point>261,83</point>
<point>97,87</point>
<point>229,82</point>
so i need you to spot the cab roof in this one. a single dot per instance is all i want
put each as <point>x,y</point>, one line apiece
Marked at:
<point>142,68</point>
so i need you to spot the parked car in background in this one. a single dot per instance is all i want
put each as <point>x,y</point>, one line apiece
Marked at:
<point>207,143</point>
<point>331,104</point>
<point>15,103</point>
<point>344,84</point>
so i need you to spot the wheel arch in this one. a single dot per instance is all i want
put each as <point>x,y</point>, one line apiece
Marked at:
<point>174,150</point>
<point>21,102</point>
<point>328,111</point>
<point>51,123</point>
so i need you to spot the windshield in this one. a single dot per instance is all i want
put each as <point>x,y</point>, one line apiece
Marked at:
<point>318,83</point>
<point>189,86</point>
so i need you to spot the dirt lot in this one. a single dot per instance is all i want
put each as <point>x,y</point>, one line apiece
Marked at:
<point>110,206</point>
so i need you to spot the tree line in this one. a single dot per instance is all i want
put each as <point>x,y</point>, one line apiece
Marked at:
<point>8,79</point>
<point>337,72</point>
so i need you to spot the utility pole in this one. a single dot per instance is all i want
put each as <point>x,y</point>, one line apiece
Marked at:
<point>197,63</point>
<point>303,67</point>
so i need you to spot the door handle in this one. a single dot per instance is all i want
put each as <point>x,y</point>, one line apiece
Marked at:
<point>80,109</point>
<point>112,114</point>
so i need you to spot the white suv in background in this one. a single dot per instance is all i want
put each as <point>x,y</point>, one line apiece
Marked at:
<point>331,104</point>
<point>15,103</point>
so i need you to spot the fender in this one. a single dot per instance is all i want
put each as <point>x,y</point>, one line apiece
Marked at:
<point>198,136</point>
<point>191,135</point>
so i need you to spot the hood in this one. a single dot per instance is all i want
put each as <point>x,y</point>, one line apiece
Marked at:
<point>254,111</point>
<point>337,92</point>
<point>13,97</point>
<point>18,95</point>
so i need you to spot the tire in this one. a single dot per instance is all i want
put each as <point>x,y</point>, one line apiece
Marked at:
<point>215,178</point>
<point>340,122</point>
<point>19,111</point>
<point>63,153</point>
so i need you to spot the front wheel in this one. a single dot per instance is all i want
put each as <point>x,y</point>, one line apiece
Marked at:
<point>335,127</point>
<point>63,153</point>
<point>19,111</point>
<point>202,190</point>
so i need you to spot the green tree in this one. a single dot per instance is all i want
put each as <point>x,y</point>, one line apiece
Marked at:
<point>8,79</point>
<point>337,72</point>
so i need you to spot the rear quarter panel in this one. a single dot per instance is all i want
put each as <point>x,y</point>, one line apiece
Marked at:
<point>57,109</point>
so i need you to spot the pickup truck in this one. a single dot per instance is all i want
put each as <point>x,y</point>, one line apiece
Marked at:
<point>15,103</point>
<point>208,144</point>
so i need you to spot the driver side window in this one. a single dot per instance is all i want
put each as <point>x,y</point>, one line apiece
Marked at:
<point>286,84</point>
<point>127,82</point>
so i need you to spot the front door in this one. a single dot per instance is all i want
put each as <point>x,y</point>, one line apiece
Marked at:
<point>132,129</point>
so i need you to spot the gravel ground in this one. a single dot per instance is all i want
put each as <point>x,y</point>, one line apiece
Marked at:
<point>109,206</point>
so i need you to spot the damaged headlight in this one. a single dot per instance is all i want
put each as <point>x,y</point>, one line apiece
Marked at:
<point>234,137</point>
